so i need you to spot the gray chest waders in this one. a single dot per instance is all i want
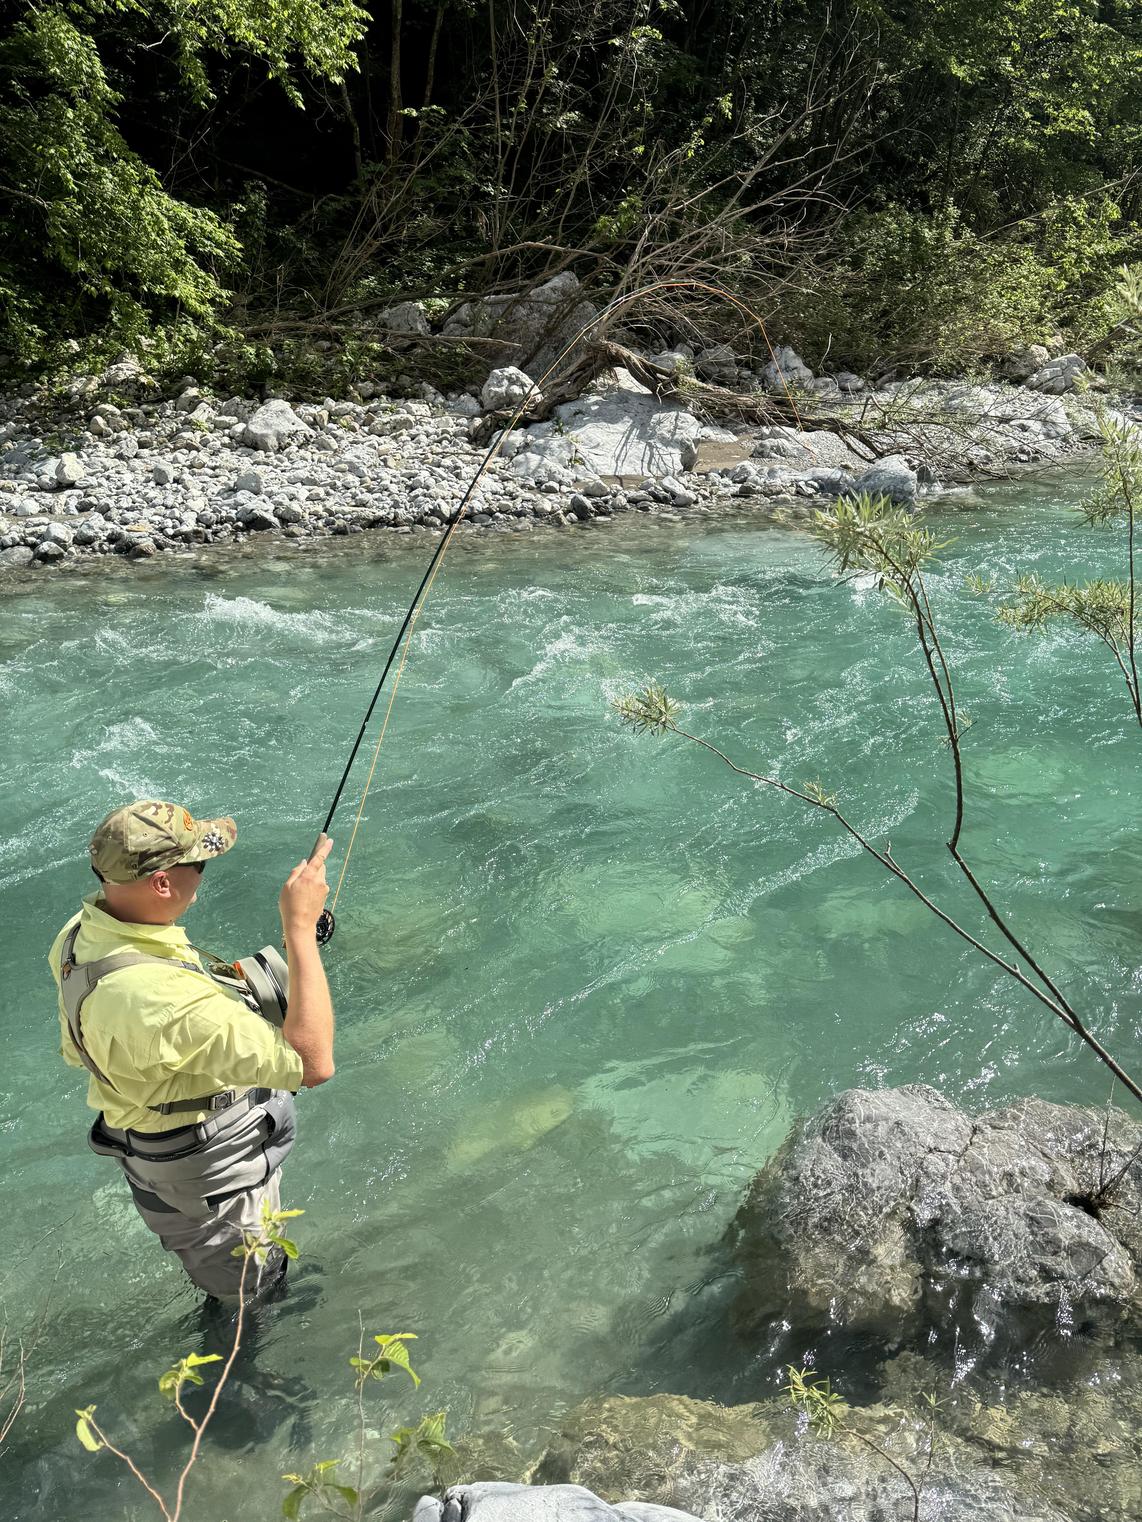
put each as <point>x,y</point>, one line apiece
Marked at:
<point>194,1168</point>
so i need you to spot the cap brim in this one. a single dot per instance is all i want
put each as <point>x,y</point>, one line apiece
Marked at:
<point>213,838</point>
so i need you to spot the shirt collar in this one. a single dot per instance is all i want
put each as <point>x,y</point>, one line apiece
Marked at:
<point>106,924</point>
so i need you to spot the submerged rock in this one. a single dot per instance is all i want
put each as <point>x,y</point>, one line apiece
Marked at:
<point>889,1205</point>
<point>514,1125</point>
<point>754,1463</point>
<point>1076,1441</point>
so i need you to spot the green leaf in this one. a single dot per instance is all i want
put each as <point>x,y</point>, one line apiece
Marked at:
<point>651,710</point>
<point>393,1351</point>
<point>430,1434</point>
<point>291,1506</point>
<point>83,1430</point>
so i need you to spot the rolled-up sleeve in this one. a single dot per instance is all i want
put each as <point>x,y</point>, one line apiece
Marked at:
<point>214,1042</point>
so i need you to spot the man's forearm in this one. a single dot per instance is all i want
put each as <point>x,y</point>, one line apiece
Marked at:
<point>308,1026</point>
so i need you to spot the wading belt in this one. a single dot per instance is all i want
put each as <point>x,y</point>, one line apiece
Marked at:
<point>170,1146</point>
<point>77,983</point>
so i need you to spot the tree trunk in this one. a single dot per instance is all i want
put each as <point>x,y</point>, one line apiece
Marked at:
<point>430,72</point>
<point>396,103</point>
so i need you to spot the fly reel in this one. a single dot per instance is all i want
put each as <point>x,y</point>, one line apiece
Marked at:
<point>261,981</point>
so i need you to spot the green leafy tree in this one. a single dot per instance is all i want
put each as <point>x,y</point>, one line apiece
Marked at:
<point>90,237</point>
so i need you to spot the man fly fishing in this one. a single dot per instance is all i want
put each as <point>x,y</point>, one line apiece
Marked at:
<point>193,1086</point>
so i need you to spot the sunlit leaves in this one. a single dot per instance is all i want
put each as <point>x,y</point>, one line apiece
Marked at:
<point>84,1432</point>
<point>393,1355</point>
<point>319,1486</point>
<point>259,1244</point>
<point>814,1395</point>
<point>649,711</point>
<point>872,533</point>
<point>426,1438</point>
<point>185,1372</point>
<point>79,200</point>
<point>1105,608</point>
<point>1100,607</point>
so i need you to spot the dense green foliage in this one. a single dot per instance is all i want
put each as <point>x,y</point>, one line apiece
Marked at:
<point>91,235</point>
<point>892,181</point>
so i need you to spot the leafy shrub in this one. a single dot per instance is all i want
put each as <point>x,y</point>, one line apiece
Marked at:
<point>928,292</point>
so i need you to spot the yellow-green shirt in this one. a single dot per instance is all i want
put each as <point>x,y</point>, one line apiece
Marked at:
<point>161,1034</point>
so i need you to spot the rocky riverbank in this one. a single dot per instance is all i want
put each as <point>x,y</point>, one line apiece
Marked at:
<point>116,467</point>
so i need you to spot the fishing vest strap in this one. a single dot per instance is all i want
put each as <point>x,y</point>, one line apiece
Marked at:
<point>77,983</point>
<point>212,1102</point>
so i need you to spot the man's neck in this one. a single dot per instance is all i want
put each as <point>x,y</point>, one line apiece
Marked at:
<point>126,918</point>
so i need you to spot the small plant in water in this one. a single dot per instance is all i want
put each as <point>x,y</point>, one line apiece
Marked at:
<point>827,1413</point>
<point>254,1250</point>
<point>320,1484</point>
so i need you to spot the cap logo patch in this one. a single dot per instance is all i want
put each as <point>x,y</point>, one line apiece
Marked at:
<point>212,841</point>
<point>187,821</point>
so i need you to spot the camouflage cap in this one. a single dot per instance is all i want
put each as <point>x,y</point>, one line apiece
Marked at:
<point>148,836</point>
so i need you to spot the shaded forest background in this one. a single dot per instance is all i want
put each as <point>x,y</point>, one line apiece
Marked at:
<point>914,183</point>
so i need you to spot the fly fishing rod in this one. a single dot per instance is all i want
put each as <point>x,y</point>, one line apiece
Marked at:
<point>403,641</point>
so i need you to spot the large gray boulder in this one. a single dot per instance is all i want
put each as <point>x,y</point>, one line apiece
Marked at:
<point>534,326</point>
<point>621,431</point>
<point>786,371</point>
<point>69,471</point>
<point>890,477</point>
<point>1022,363</point>
<point>889,1205</point>
<point>1058,375</point>
<point>56,532</point>
<point>274,425</point>
<point>404,322</point>
<point>498,1501</point>
<point>507,387</point>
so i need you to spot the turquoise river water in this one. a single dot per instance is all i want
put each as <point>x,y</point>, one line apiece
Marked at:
<point>585,980</point>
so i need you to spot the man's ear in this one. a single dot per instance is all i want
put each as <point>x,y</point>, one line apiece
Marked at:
<point>161,884</point>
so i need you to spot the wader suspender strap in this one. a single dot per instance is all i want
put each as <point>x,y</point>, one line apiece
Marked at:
<point>78,980</point>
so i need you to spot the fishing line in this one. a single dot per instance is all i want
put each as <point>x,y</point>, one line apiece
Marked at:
<point>403,641</point>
